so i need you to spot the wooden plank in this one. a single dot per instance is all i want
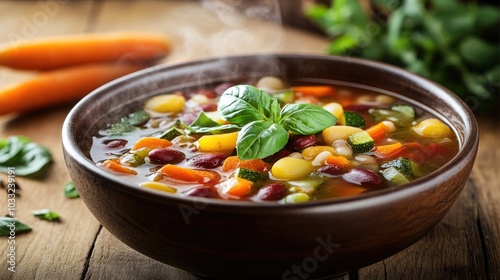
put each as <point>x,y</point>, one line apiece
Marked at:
<point>50,250</point>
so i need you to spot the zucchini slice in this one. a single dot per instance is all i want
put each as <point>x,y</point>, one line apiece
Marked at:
<point>360,142</point>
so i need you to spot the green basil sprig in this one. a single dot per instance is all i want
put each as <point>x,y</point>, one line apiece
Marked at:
<point>265,125</point>
<point>23,156</point>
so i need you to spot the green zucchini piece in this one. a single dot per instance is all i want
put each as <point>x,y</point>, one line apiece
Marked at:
<point>406,110</point>
<point>394,176</point>
<point>360,142</point>
<point>285,97</point>
<point>251,175</point>
<point>354,119</point>
<point>171,134</point>
<point>307,186</point>
<point>402,164</point>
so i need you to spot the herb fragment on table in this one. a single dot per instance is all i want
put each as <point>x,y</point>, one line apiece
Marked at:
<point>70,190</point>
<point>11,226</point>
<point>20,155</point>
<point>265,126</point>
<point>46,214</point>
<point>455,43</point>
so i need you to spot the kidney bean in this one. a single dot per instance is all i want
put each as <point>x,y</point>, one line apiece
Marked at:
<point>207,107</point>
<point>202,192</point>
<point>357,108</point>
<point>222,87</point>
<point>188,118</point>
<point>331,170</point>
<point>165,155</point>
<point>363,176</point>
<point>276,156</point>
<point>208,160</point>
<point>300,142</point>
<point>115,143</point>
<point>274,191</point>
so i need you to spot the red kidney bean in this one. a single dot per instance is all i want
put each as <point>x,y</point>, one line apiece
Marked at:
<point>207,107</point>
<point>363,176</point>
<point>274,191</point>
<point>189,117</point>
<point>357,108</point>
<point>278,155</point>
<point>331,170</point>
<point>208,160</point>
<point>202,192</point>
<point>299,142</point>
<point>115,143</point>
<point>222,87</point>
<point>165,155</point>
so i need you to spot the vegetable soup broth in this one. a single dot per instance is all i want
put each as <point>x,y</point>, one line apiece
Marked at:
<point>334,163</point>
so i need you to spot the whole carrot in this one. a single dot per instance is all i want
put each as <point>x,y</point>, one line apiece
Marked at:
<point>59,86</point>
<point>63,51</point>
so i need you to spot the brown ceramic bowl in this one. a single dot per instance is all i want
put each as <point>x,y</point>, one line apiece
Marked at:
<point>245,240</point>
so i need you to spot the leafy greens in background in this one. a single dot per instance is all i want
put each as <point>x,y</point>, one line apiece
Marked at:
<point>27,158</point>
<point>452,42</point>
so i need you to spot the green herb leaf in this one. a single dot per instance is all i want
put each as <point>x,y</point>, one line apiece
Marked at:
<point>128,123</point>
<point>205,125</point>
<point>46,214</point>
<point>70,190</point>
<point>260,139</point>
<point>244,103</point>
<point>306,119</point>
<point>9,226</point>
<point>26,158</point>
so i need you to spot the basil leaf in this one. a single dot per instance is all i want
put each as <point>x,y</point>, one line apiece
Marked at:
<point>244,103</point>
<point>128,123</point>
<point>9,225</point>
<point>260,139</point>
<point>46,214</point>
<point>70,190</point>
<point>25,157</point>
<point>205,125</point>
<point>306,119</point>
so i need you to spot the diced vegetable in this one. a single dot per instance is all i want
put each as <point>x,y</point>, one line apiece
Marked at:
<point>337,132</point>
<point>151,143</point>
<point>360,142</point>
<point>388,150</point>
<point>171,134</point>
<point>313,151</point>
<point>337,110</point>
<point>401,118</point>
<point>166,103</point>
<point>338,161</point>
<point>234,162</point>
<point>307,186</point>
<point>405,109</point>
<point>380,130</point>
<point>404,165</point>
<point>354,119</point>
<point>394,176</point>
<point>432,128</point>
<point>296,198</point>
<point>189,175</point>
<point>221,143</point>
<point>289,168</point>
<point>158,186</point>
<point>254,176</point>
<point>316,91</point>
<point>114,165</point>
<point>237,186</point>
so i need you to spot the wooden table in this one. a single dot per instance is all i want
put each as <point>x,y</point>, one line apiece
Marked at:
<point>465,245</point>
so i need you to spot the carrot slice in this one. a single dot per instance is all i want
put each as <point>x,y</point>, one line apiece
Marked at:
<point>316,91</point>
<point>339,161</point>
<point>234,162</point>
<point>377,131</point>
<point>237,186</point>
<point>114,165</point>
<point>59,86</point>
<point>189,175</point>
<point>69,50</point>
<point>388,150</point>
<point>151,143</point>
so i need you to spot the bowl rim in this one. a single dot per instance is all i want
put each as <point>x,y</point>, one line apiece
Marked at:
<point>466,146</point>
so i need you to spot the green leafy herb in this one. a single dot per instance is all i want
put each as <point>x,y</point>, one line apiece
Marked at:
<point>455,43</point>
<point>128,123</point>
<point>24,157</point>
<point>266,125</point>
<point>70,190</point>
<point>205,125</point>
<point>10,226</point>
<point>46,214</point>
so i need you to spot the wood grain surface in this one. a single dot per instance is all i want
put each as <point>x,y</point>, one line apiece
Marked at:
<point>465,245</point>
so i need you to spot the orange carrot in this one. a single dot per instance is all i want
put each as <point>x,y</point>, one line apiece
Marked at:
<point>388,150</point>
<point>341,190</point>
<point>377,131</point>
<point>339,161</point>
<point>317,91</point>
<point>151,143</point>
<point>63,51</point>
<point>190,175</point>
<point>59,86</point>
<point>234,162</point>
<point>237,186</point>
<point>114,165</point>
